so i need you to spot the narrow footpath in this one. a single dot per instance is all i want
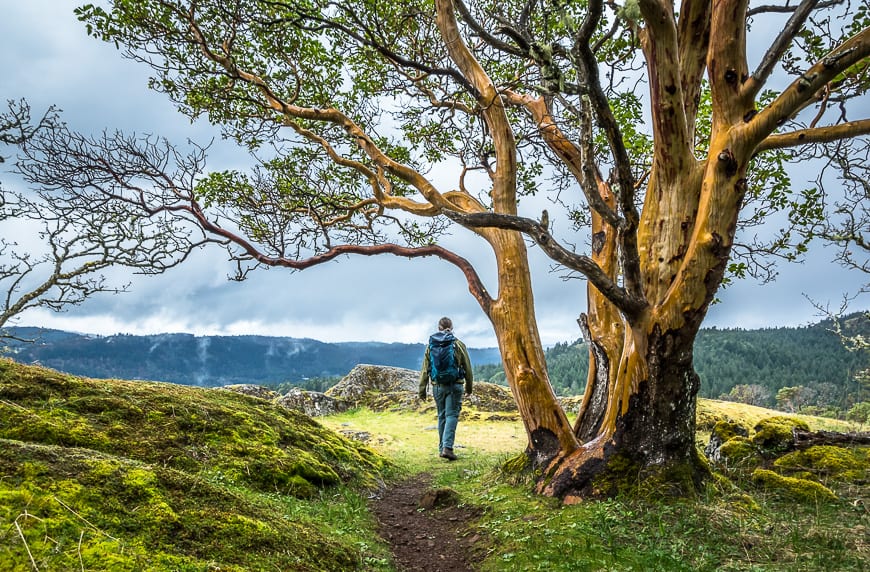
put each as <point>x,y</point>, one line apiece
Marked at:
<point>425,528</point>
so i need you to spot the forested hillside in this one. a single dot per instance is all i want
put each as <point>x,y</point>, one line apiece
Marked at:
<point>805,368</point>
<point>210,360</point>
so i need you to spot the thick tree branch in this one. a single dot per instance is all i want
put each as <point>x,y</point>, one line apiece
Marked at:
<point>620,297</point>
<point>670,129</point>
<point>796,95</point>
<point>693,39</point>
<point>504,179</point>
<point>726,64</point>
<point>815,135</point>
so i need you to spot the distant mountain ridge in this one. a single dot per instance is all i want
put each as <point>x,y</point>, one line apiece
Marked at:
<point>211,361</point>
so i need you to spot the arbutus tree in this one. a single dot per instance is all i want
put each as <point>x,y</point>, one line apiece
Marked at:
<point>643,122</point>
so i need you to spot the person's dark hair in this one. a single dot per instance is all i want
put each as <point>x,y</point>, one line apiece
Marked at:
<point>445,323</point>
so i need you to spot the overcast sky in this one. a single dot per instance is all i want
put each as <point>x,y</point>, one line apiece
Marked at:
<point>47,58</point>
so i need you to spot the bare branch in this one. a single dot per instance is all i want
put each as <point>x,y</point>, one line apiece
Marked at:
<point>793,98</point>
<point>787,8</point>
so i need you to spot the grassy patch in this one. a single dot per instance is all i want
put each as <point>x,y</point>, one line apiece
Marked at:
<point>411,439</point>
<point>736,526</point>
<point>721,532</point>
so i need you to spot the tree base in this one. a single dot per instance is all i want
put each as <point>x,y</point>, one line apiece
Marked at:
<point>602,471</point>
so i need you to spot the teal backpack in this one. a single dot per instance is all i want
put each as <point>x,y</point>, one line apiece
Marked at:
<point>443,365</point>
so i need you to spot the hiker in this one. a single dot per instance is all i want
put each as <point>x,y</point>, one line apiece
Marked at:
<point>447,365</point>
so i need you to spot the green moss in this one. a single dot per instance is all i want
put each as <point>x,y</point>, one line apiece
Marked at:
<point>676,479</point>
<point>746,502</point>
<point>115,475</point>
<point>620,476</point>
<point>128,516</point>
<point>516,470</point>
<point>774,434</point>
<point>727,429</point>
<point>186,428</point>
<point>739,452</point>
<point>836,463</point>
<point>797,489</point>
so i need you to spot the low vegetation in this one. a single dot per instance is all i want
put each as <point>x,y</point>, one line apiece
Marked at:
<point>115,475</point>
<point>799,510</point>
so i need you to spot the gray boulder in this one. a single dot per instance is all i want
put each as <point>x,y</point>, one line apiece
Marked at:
<point>311,403</point>
<point>257,391</point>
<point>373,385</point>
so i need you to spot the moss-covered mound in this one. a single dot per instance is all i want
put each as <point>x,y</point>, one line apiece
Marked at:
<point>115,475</point>
<point>828,463</point>
<point>775,434</point>
<point>74,509</point>
<point>792,487</point>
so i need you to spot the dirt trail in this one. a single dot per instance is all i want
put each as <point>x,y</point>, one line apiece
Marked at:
<point>425,528</point>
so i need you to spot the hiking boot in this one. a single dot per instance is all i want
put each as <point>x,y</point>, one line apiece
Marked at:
<point>448,454</point>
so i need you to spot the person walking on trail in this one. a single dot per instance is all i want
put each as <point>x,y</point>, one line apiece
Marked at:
<point>447,365</point>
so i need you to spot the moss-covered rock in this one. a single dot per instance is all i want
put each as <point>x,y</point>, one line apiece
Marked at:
<point>727,429</point>
<point>251,390</point>
<point>851,465</point>
<point>798,489</point>
<point>723,432</point>
<point>491,397</point>
<point>775,434</point>
<point>365,381</point>
<point>311,403</point>
<point>739,452</point>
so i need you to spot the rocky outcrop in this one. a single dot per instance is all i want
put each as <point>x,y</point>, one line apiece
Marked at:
<point>366,383</point>
<point>491,397</point>
<point>311,403</point>
<point>257,391</point>
<point>382,388</point>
